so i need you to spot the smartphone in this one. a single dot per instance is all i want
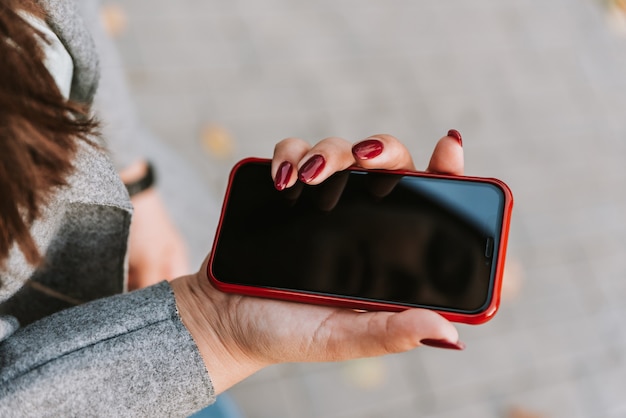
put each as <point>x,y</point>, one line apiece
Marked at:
<point>365,239</point>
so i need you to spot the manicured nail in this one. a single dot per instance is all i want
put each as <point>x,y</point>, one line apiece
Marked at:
<point>443,344</point>
<point>456,135</point>
<point>311,168</point>
<point>367,149</point>
<point>283,175</point>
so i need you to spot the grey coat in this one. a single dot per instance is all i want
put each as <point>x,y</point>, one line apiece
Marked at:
<point>70,344</point>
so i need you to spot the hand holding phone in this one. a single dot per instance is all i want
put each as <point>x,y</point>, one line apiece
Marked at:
<point>365,239</point>
<point>238,335</point>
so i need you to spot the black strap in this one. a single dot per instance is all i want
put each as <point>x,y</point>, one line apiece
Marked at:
<point>143,183</point>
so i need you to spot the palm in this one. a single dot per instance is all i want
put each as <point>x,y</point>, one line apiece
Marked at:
<point>277,331</point>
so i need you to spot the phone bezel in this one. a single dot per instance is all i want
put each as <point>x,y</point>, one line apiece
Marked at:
<point>484,315</point>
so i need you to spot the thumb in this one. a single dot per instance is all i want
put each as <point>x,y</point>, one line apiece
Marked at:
<point>354,334</point>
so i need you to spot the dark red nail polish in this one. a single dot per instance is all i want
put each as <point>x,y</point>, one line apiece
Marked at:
<point>456,135</point>
<point>443,344</point>
<point>283,175</point>
<point>311,168</point>
<point>367,149</point>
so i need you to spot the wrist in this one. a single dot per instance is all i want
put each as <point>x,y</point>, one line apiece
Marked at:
<point>138,177</point>
<point>205,313</point>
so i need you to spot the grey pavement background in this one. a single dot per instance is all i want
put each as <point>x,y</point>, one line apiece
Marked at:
<point>538,90</point>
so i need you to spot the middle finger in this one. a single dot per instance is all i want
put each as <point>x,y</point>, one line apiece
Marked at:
<point>324,159</point>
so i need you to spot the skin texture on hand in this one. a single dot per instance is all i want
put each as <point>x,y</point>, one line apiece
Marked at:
<point>238,335</point>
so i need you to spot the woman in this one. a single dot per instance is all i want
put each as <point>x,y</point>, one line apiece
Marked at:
<point>68,344</point>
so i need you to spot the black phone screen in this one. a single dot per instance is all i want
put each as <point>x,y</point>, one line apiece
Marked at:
<point>409,240</point>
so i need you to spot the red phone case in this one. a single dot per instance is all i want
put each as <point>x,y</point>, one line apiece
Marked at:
<point>475,318</point>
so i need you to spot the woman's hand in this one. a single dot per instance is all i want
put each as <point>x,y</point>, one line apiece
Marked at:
<point>238,335</point>
<point>156,250</point>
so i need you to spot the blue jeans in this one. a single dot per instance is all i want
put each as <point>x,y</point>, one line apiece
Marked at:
<point>224,407</point>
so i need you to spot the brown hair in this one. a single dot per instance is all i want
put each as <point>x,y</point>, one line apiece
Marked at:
<point>39,129</point>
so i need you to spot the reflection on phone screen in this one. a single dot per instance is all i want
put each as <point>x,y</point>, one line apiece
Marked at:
<point>416,241</point>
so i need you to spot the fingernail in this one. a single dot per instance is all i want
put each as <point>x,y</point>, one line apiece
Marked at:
<point>367,149</point>
<point>283,175</point>
<point>456,135</point>
<point>443,344</point>
<point>311,168</point>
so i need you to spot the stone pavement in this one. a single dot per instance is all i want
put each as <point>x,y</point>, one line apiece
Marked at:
<point>538,90</point>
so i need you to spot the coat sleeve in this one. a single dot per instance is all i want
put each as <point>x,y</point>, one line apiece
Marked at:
<point>126,355</point>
